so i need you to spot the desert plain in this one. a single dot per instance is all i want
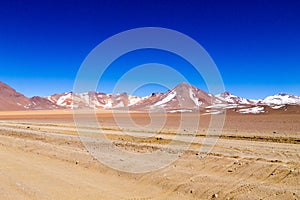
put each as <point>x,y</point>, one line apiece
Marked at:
<point>257,156</point>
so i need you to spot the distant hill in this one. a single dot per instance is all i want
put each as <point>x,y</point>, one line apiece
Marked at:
<point>10,99</point>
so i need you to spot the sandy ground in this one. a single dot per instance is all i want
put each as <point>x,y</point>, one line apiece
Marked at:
<point>256,157</point>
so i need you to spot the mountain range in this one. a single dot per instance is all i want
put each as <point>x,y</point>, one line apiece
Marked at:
<point>182,98</point>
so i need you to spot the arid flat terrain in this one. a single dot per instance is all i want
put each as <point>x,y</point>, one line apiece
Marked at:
<point>255,157</point>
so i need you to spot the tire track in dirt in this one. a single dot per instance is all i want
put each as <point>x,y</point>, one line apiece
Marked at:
<point>73,130</point>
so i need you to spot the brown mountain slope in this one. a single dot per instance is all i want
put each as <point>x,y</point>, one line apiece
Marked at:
<point>10,99</point>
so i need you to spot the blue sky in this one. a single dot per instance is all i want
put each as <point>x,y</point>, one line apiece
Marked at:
<point>254,43</point>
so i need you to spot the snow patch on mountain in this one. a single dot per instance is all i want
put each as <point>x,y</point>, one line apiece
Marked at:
<point>85,97</point>
<point>194,98</point>
<point>119,105</point>
<point>277,107</point>
<point>253,110</point>
<point>215,112</point>
<point>224,106</point>
<point>170,96</point>
<point>134,100</point>
<point>232,99</point>
<point>180,111</point>
<point>108,104</point>
<point>62,100</point>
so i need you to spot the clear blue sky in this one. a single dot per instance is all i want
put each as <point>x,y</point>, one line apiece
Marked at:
<point>255,43</point>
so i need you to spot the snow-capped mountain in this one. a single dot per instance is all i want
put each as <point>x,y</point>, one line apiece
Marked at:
<point>182,98</point>
<point>246,106</point>
<point>232,99</point>
<point>280,99</point>
<point>93,100</point>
